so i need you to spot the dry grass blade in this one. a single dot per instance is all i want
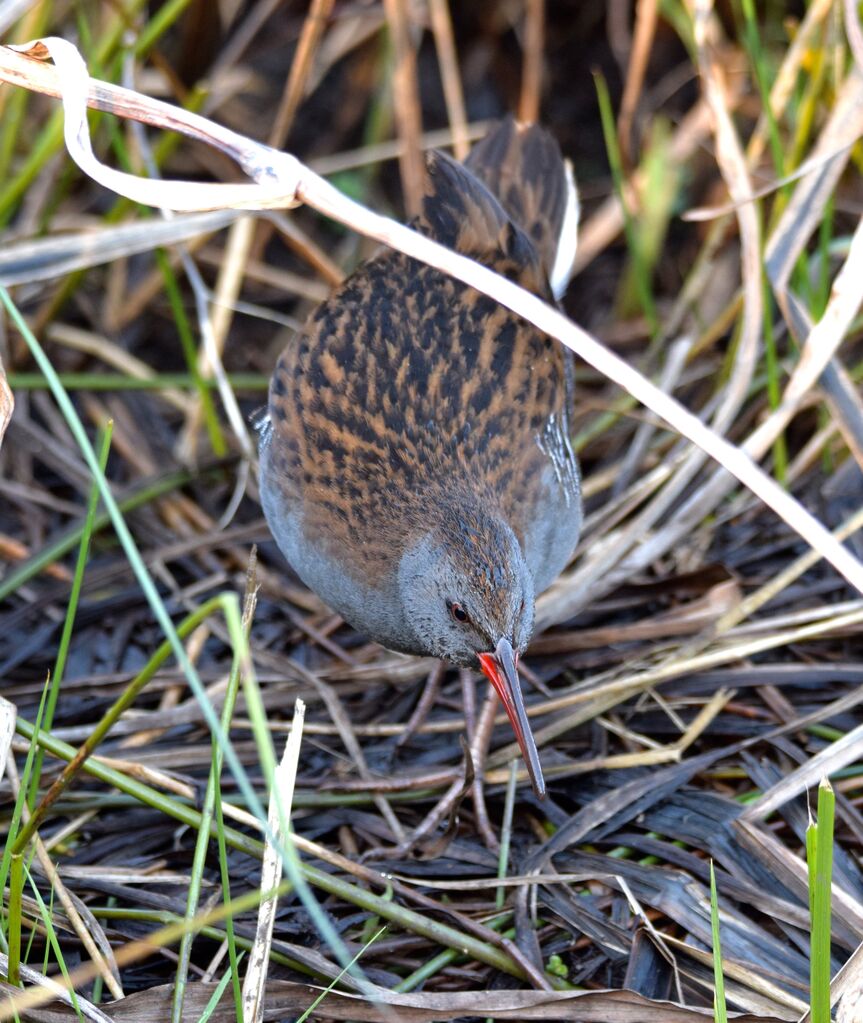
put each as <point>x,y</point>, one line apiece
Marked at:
<point>750,604</point>
<point>822,342</point>
<point>804,212</point>
<point>853,31</point>
<point>39,259</point>
<point>407,104</point>
<point>390,150</point>
<point>7,402</point>
<point>313,29</point>
<point>214,331</point>
<point>846,988</point>
<point>733,166</point>
<point>824,764</point>
<point>845,404</point>
<point>271,871</point>
<point>700,214</point>
<point>7,730</point>
<point>441,24</point>
<point>774,996</point>
<point>311,252</point>
<point>112,355</point>
<point>646,12</point>
<point>531,76</point>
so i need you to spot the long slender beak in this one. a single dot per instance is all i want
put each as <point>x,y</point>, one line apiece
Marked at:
<point>500,669</point>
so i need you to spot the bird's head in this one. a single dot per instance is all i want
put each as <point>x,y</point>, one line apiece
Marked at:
<point>468,594</point>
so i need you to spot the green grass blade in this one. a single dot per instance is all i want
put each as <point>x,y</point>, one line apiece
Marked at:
<point>163,18</point>
<point>449,955</point>
<point>336,979</point>
<point>641,273</point>
<point>774,386</point>
<point>216,997</point>
<point>54,945</point>
<point>752,40</point>
<point>71,610</point>
<point>12,132</point>
<point>203,840</point>
<point>506,834</point>
<point>190,353</point>
<point>225,876</point>
<point>811,850</point>
<point>16,890</point>
<point>11,864</point>
<point>820,899</point>
<point>720,1010</point>
<point>118,382</point>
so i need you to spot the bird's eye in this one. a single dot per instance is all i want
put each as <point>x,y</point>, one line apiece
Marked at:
<point>457,611</point>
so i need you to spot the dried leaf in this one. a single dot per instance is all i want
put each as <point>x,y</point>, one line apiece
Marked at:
<point>286,999</point>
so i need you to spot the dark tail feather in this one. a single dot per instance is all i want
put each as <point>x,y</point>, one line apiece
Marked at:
<point>522,165</point>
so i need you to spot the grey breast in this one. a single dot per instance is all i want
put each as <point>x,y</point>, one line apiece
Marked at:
<point>552,535</point>
<point>375,612</point>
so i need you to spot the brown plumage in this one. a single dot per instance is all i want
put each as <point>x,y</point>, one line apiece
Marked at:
<point>415,465</point>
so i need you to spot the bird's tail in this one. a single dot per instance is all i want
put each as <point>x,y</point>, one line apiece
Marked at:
<point>522,165</point>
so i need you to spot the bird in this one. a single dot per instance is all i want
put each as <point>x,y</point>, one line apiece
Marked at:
<point>415,460</point>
